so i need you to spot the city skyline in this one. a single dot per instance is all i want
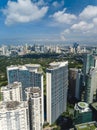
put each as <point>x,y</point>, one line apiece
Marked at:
<point>42,95</point>
<point>65,20</point>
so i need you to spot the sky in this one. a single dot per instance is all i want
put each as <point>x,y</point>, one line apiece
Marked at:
<point>63,20</point>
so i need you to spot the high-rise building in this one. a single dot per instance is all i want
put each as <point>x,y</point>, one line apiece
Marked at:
<point>5,50</point>
<point>79,85</point>
<point>36,108</point>
<point>12,92</point>
<point>90,76</point>
<point>76,47</point>
<point>75,82</point>
<point>91,85</point>
<point>29,75</point>
<point>82,113</point>
<point>14,116</point>
<point>94,110</point>
<point>89,61</point>
<point>57,85</point>
<point>95,61</point>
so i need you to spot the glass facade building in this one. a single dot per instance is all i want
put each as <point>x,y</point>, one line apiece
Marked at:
<point>29,75</point>
<point>82,113</point>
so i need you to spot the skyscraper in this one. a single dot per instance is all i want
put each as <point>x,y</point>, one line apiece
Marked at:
<point>78,85</point>
<point>75,80</point>
<point>57,85</point>
<point>91,85</point>
<point>14,116</point>
<point>29,75</point>
<point>12,92</point>
<point>89,61</point>
<point>36,108</point>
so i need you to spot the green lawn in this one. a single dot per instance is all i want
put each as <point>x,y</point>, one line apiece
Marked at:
<point>86,127</point>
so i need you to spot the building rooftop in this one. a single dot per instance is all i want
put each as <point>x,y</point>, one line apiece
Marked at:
<point>82,107</point>
<point>94,105</point>
<point>23,66</point>
<point>12,105</point>
<point>11,86</point>
<point>33,91</point>
<point>74,69</point>
<point>30,67</point>
<point>55,65</point>
<point>33,65</point>
<point>86,126</point>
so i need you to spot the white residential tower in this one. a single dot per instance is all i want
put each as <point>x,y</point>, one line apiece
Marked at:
<point>57,85</point>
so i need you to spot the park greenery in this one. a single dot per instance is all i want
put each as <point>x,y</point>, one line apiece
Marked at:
<point>42,59</point>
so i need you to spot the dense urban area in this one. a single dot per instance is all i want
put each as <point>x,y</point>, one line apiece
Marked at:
<point>48,64</point>
<point>50,87</point>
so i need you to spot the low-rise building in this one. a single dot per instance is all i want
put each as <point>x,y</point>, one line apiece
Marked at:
<point>82,113</point>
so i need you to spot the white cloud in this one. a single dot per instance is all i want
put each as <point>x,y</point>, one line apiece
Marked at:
<point>40,3</point>
<point>66,31</point>
<point>57,4</point>
<point>23,11</point>
<point>95,21</point>
<point>80,31</point>
<point>63,37</point>
<point>63,17</point>
<point>89,12</point>
<point>62,2</point>
<point>82,26</point>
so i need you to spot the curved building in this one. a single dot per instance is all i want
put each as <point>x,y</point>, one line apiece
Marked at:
<point>82,113</point>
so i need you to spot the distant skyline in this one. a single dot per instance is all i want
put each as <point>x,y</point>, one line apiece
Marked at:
<point>62,20</point>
